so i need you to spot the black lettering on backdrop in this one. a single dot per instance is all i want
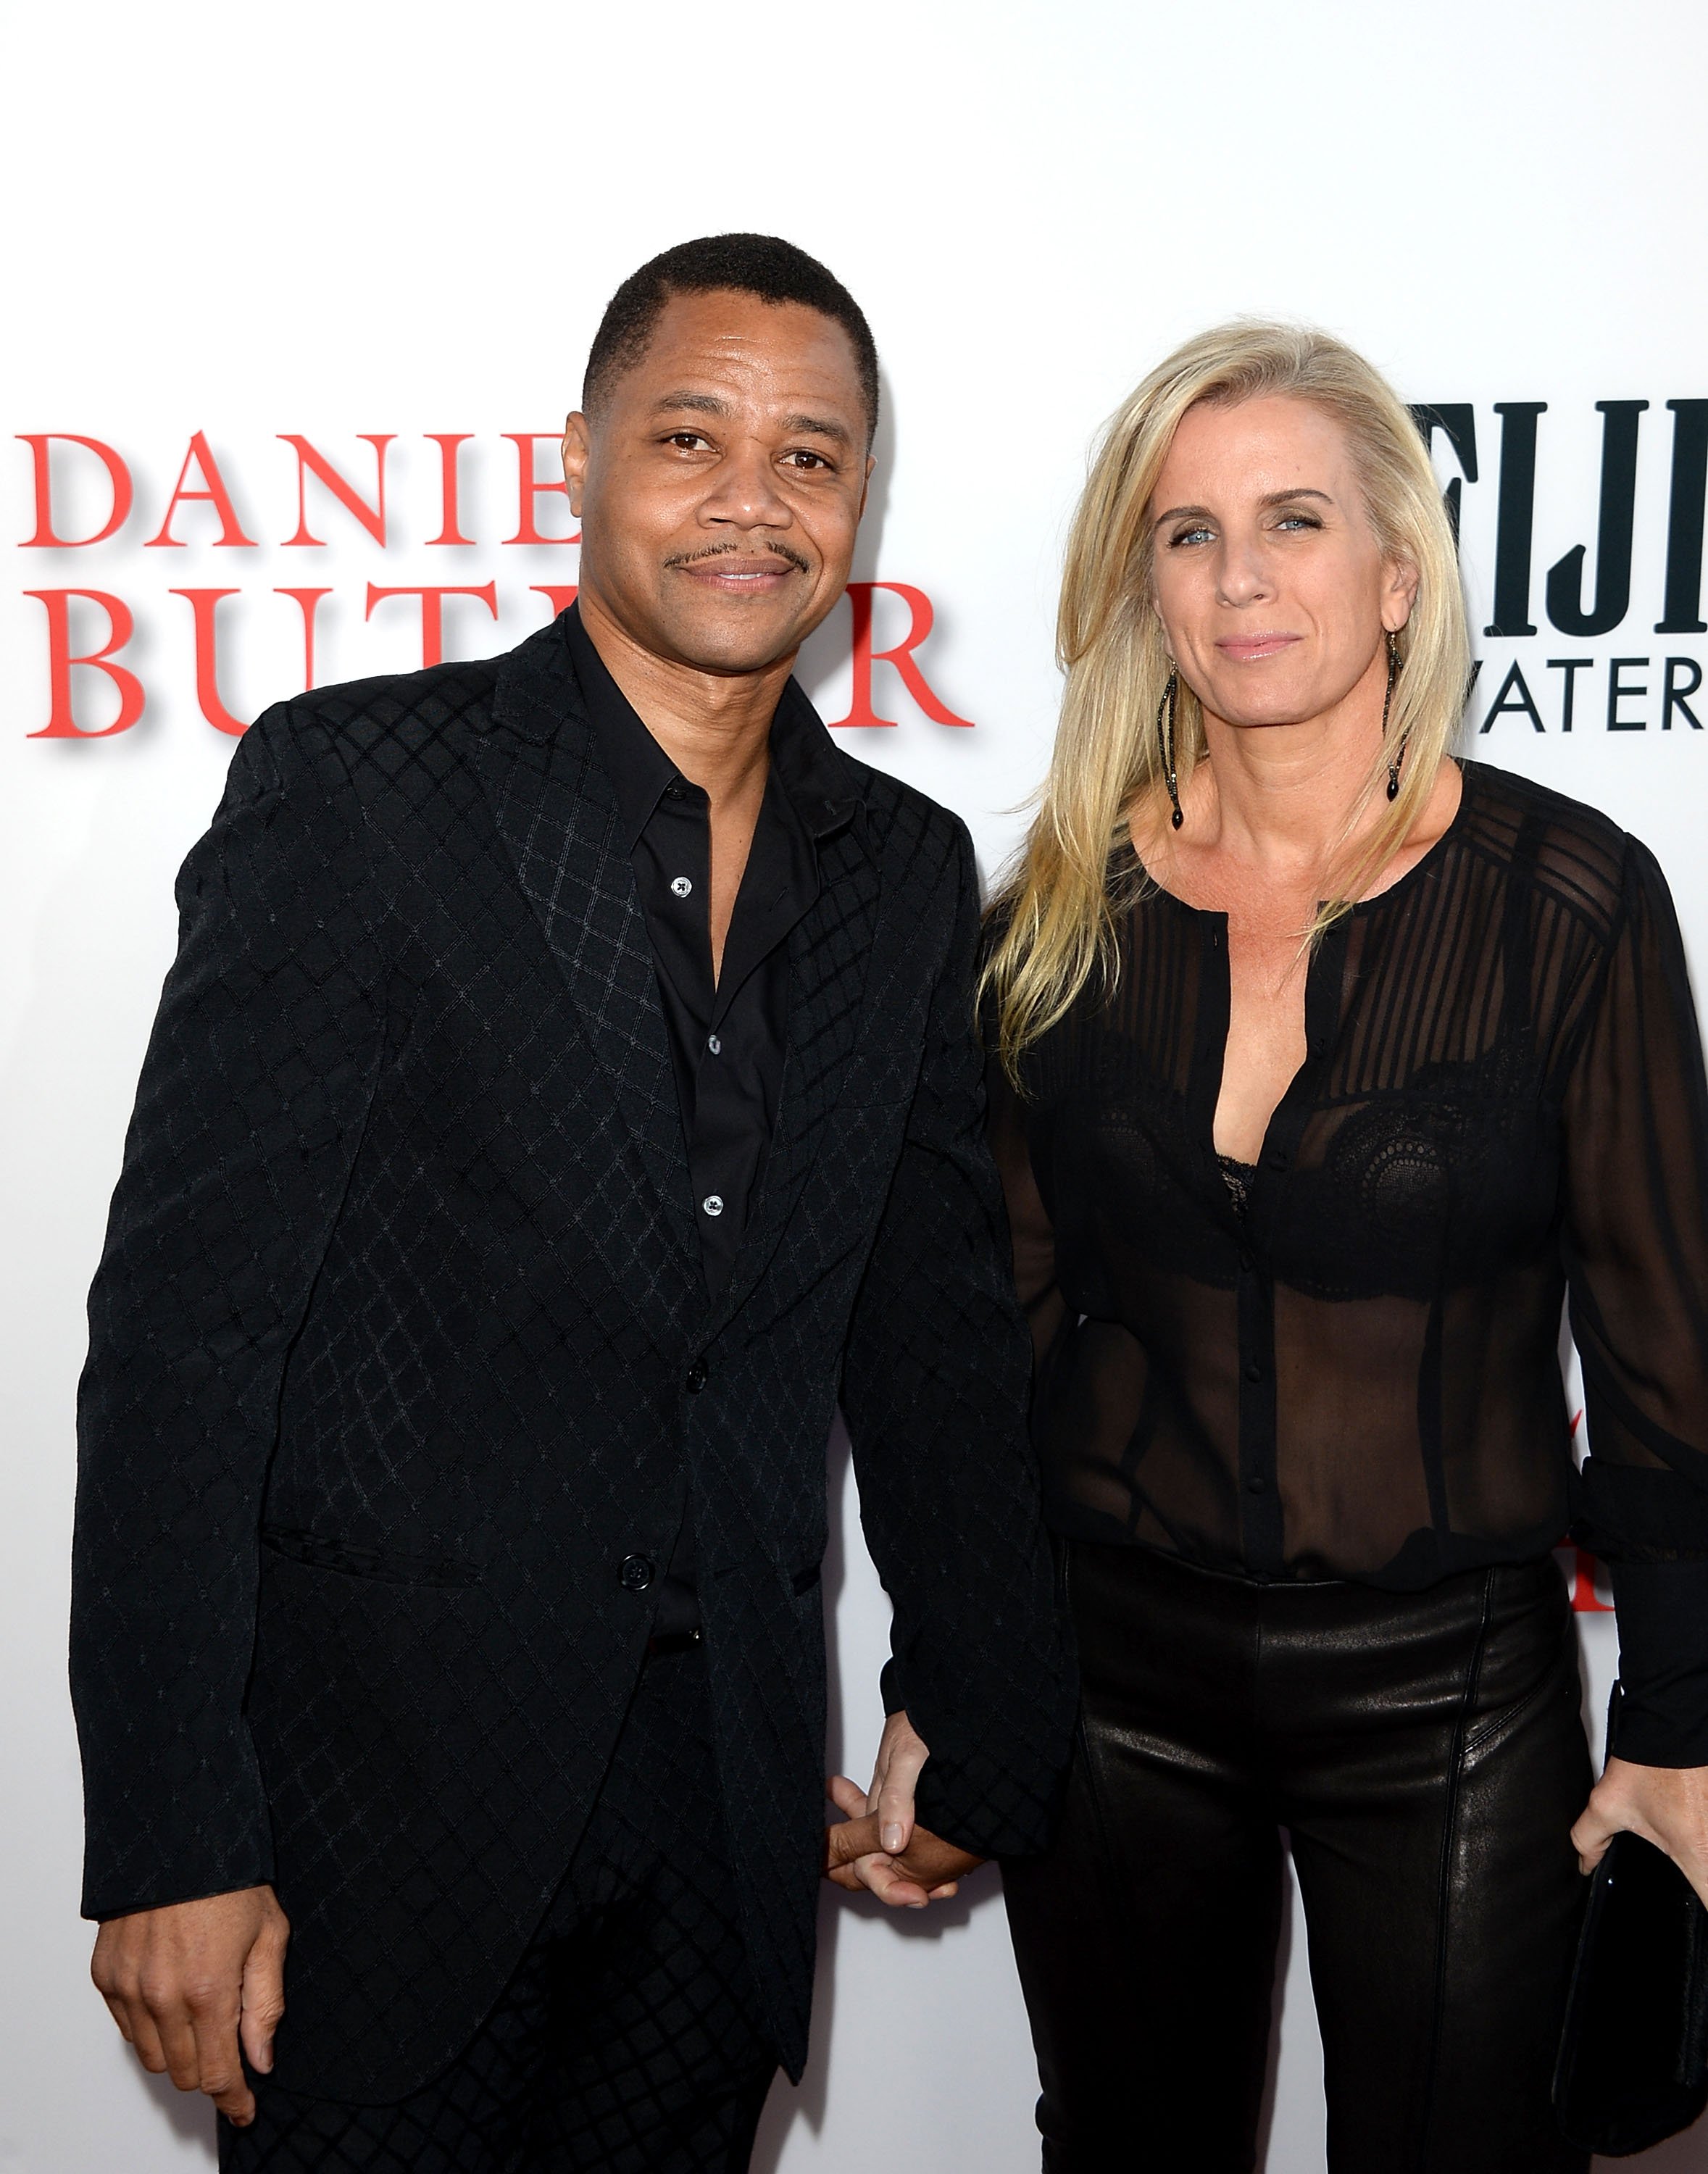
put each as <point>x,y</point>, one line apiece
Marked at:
<point>1517,516</point>
<point>1673,695</point>
<point>1683,593</point>
<point>1515,696</point>
<point>1456,419</point>
<point>1571,666</point>
<point>1613,524</point>
<point>1617,692</point>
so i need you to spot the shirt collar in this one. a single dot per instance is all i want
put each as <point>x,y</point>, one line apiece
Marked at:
<point>809,766</point>
<point>639,769</point>
<point>805,761</point>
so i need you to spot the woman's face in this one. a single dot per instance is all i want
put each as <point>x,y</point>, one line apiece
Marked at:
<point>1273,592</point>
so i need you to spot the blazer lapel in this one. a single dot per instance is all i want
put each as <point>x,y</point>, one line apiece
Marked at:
<point>557,814</point>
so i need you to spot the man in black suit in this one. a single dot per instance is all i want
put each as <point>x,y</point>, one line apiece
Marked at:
<point>565,1090</point>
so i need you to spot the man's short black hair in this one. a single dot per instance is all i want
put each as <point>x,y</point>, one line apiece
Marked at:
<point>746,263</point>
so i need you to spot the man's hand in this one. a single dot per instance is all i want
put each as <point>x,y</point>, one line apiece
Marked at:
<point>1666,1805</point>
<point>878,1844</point>
<point>188,1983</point>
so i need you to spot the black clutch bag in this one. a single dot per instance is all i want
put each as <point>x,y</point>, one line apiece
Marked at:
<point>1633,2065</point>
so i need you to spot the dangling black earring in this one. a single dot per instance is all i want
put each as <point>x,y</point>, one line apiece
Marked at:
<point>1165,741</point>
<point>1387,703</point>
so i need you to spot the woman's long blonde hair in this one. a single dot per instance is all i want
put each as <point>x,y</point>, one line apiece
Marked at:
<point>1055,918</point>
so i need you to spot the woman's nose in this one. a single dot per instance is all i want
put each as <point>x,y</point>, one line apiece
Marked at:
<point>1242,574</point>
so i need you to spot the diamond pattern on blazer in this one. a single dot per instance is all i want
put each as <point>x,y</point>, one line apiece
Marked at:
<point>400,1349</point>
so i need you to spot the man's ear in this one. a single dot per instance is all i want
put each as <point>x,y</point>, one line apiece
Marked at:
<point>577,448</point>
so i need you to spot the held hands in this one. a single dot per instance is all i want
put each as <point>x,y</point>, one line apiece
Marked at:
<point>878,1845</point>
<point>189,1983</point>
<point>1666,1805</point>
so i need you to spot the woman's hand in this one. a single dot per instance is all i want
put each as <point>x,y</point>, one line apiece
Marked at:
<point>879,1846</point>
<point>1666,1805</point>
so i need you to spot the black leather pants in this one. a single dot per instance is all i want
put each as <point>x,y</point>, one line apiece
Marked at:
<point>1424,1752</point>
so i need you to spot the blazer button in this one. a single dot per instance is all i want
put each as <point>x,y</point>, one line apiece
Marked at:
<point>695,1380</point>
<point>635,1573</point>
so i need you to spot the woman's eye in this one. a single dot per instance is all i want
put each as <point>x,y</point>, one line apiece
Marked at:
<point>1298,520</point>
<point>1198,533</point>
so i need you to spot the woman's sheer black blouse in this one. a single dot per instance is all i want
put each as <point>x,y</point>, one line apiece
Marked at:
<point>1353,1370</point>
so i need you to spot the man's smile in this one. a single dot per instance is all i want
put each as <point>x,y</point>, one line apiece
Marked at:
<point>741,573</point>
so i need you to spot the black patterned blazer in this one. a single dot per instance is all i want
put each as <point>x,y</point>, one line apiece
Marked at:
<point>399,1347</point>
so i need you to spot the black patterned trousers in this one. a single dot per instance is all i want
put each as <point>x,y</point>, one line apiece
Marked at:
<point>627,2041</point>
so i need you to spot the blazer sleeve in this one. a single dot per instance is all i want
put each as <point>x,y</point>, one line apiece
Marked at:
<point>934,1392</point>
<point>1635,1242</point>
<point>250,1110</point>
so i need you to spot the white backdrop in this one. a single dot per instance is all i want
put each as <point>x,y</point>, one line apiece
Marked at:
<point>359,219</point>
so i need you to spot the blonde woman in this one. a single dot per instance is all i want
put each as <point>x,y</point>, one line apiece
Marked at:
<point>1325,1067</point>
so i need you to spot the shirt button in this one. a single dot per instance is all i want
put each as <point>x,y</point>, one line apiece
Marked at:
<point>1254,1372</point>
<point>695,1380</point>
<point>714,1045</point>
<point>713,1203</point>
<point>1277,1159</point>
<point>681,886</point>
<point>1246,1263</point>
<point>635,1573</point>
<point>1254,1486</point>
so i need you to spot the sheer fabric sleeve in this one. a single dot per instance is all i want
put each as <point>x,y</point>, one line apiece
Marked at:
<point>1029,1228</point>
<point>1636,1240</point>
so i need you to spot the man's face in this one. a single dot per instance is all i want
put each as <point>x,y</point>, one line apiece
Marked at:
<point>721,482</point>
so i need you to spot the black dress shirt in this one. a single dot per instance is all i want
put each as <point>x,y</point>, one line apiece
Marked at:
<point>1346,1365</point>
<point>728,1036</point>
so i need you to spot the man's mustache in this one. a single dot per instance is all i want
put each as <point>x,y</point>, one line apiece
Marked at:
<point>734,550</point>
